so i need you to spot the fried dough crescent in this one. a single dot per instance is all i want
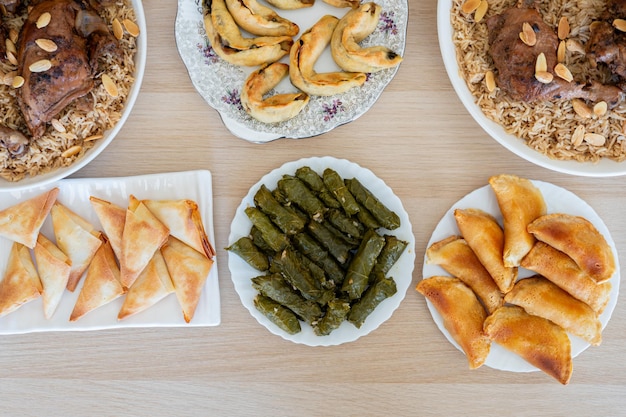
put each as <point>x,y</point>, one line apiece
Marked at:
<point>578,238</point>
<point>455,256</point>
<point>563,271</point>
<point>353,27</point>
<point>244,57</point>
<point>291,4</point>
<point>539,296</point>
<point>274,109</point>
<point>463,315</point>
<point>341,4</point>
<point>484,235</point>
<point>260,20</point>
<point>539,341</point>
<point>307,50</point>
<point>520,203</point>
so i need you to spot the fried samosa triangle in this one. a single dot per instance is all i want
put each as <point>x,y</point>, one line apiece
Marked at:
<point>183,219</point>
<point>189,270</point>
<point>143,235</point>
<point>152,285</point>
<point>22,221</point>
<point>77,238</point>
<point>102,283</point>
<point>462,313</point>
<point>54,269</point>
<point>112,218</point>
<point>21,282</point>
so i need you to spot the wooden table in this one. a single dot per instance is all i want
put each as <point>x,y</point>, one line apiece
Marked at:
<point>423,143</point>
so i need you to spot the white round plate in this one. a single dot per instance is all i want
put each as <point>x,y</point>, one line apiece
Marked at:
<point>219,82</point>
<point>558,200</point>
<point>603,168</point>
<point>109,135</point>
<point>401,272</point>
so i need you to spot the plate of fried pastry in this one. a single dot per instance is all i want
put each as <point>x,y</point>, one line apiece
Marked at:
<point>521,275</point>
<point>86,254</point>
<point>290,68</point>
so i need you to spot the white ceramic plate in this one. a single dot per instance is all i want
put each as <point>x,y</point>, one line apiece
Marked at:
<point>109,135</point>
<point>603,168</point>
<point>402,271</point>
<point>75,193</point>
<point>219,82</point>
<point>558,200</point>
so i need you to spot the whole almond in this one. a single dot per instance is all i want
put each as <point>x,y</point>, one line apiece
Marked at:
<point>40,66</point>
<point>43,20</point>
<point>563,72</point>
<point>46,44</point>
<point>541,65</point>
<point>581,108</point>
<point>131,27</point>
<point>563,29</point>
<point>118,30</point>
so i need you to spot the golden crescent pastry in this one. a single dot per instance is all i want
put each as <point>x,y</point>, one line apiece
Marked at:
<point>578,238</point>
<point>54,269</point>
<point>230,33</point>
<point>260,20</point>
<point>563,271</point>
<point>538,296</point>
<point>306,51</point>
<point>20,283</point>
<point>463,315</point>
<point>353,27</point>
<point>455,256</point>
<point>520,203</point>
<point>22,221</point>
<point>291,4</point>
<point>539,341</point>
<point>484,235</point>
<point>244,57</point>
<point>341,4</point>
<point>274,109</point>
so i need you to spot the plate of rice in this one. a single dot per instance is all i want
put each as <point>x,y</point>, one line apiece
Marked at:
<point>78,133</point>
<point>541,132</point>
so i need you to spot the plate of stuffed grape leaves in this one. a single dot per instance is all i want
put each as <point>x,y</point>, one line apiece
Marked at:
<point>321,251</point>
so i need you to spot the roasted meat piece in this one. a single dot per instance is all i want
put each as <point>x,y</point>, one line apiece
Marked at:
<point>80,37</point>
<point>515,61</point>
<point>607,44</point>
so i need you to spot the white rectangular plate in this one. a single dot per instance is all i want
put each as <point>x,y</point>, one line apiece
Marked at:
<point>75,193</point>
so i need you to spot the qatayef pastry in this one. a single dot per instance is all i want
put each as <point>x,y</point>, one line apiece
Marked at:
<point>563,271</point>
<point>152,285</point>
<point>189,270</point>
<point>484,235</point>
<point>143,235</point>
<point>578,238</point>
<point>455,256</point>
<point>54,269</point>
<point>183,219</point>
<point>77,238</point>
<point>112,218</point>
<point>520,203</point>
<point>463,315</point>
<point>537,340</point>
<point>539,296</point>
<point>102,283</point>
<point>21,222</point>
<point>20,283</point>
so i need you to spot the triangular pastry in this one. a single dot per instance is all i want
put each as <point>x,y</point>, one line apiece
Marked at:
<point>102,283</point>
<point>189,270</point>
<point>22,221</point>
<point>112,218</point>
<point>580,240</point>
<point>484,235</point>
<point>143,235</point>
<point>21,283</point>
<point>77,238</point>
<point>520,203</point>
<point>537,340</point>
<point>184,220</point>
<point>54,269</point>
<point>463,315</point>
<point>152,285</point>
<point>455,256</point>
<point>538,296</point>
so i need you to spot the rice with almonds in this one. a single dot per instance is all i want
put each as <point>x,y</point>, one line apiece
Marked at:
<point>86,117</point>
<point>547,127</point>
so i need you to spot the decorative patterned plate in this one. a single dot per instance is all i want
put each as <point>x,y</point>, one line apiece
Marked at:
<point>558,200</point>
<point>219,82</point>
